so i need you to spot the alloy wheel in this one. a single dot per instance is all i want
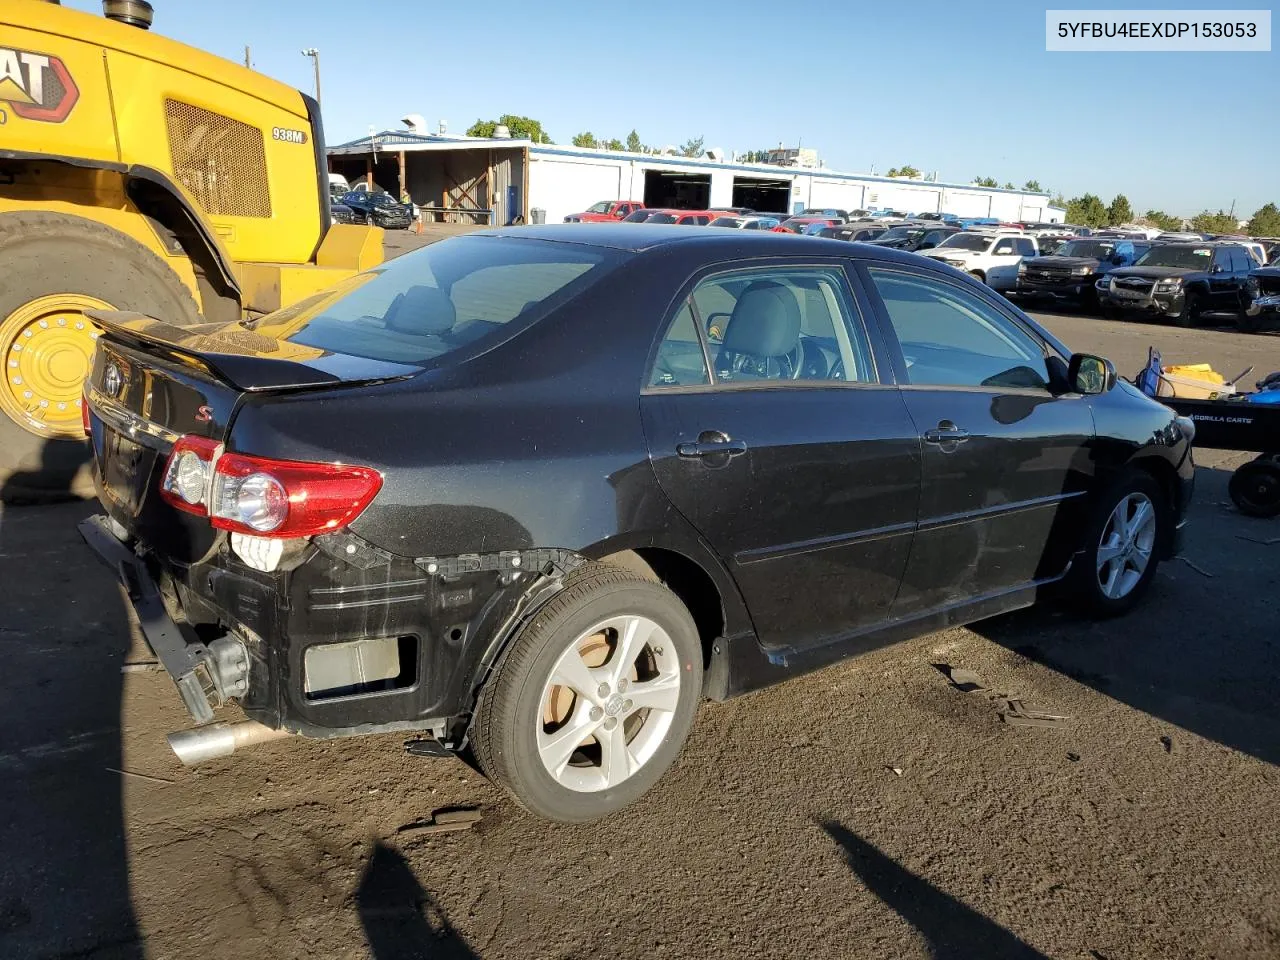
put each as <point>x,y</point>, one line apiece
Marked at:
<point>608,703</point>
<point>1128,540</point>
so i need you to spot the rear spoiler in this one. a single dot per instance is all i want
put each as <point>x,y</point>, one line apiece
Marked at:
<point>246,360</point>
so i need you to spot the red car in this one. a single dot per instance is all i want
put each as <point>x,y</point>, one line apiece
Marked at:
<point>688,218</point>
<point>798,224</point>
<point>605,211</point>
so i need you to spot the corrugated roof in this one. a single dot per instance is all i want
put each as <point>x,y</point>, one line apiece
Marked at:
<point>425,141</point>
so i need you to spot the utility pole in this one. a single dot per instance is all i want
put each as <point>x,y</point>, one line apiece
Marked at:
<point>314,54</point>
<point>248,61</point>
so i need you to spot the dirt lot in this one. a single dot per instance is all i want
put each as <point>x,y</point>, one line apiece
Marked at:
<point>870,810</point>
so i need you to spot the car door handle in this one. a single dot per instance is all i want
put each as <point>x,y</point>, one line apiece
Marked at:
<point>706,447</point>
<point>946,432</point>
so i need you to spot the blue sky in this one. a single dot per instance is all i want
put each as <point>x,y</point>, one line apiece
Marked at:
<point>962,89</point>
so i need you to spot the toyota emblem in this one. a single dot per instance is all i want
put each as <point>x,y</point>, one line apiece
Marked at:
<point>112,380</point>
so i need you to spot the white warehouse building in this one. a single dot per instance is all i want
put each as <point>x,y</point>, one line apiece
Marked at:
<point>497,180</point>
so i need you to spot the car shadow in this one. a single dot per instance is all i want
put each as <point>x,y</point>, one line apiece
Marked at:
<point>401,921</point>
<point>1200,651</point>
<point>953,930</point>
<point>64,633</point>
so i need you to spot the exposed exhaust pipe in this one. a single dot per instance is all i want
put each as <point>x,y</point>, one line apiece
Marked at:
<point>220,740</point>
<point>136,13</point>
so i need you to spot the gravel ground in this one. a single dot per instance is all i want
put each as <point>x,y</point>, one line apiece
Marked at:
<point>869,810</point>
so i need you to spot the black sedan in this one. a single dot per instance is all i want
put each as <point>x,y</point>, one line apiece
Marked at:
<point>379,210</point>
<point>538,492</point>
<point>342,213</point>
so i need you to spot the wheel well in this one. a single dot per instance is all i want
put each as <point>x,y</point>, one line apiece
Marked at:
<point>1164,474</point>
<point>688,581</point>
<point>219,300</point>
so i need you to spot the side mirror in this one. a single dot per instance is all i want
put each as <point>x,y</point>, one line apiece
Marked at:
<point>927,245</point>
<point>1090,375</point>
<point>1217,268</point>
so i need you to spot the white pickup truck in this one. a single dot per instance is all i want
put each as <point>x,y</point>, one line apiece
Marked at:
<point>990,256</point>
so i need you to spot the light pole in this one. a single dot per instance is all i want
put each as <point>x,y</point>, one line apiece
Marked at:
<point>314,54</point>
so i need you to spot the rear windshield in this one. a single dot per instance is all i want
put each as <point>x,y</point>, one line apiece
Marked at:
<point>443,298</point>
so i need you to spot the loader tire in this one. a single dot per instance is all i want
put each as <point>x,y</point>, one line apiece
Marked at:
<point>55,266</point>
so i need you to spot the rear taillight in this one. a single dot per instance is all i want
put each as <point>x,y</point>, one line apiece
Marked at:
<point>185,484</point>
<point>262,497</point>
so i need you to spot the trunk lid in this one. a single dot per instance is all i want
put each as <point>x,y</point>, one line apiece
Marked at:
<point>152,382</point>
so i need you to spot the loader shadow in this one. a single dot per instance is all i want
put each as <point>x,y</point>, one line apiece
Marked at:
<point>953,930</point>
<point>64,633</point>
<point>400,919</point>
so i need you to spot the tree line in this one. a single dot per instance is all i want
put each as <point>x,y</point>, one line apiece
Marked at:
<point>1090,211</point>
<point>1085,211</point>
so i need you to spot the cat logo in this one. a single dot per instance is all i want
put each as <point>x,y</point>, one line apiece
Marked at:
<point>36,86</point>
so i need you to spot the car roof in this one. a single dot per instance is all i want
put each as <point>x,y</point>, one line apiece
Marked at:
<point>639,237</point>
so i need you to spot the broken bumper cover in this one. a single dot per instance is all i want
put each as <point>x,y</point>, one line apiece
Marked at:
<point>188,662</point>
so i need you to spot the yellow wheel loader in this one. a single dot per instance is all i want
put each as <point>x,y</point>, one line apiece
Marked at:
<point>140,174</point>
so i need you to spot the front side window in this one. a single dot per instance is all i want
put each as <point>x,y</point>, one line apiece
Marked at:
<point>951,337</point>
<point>1003,248</point>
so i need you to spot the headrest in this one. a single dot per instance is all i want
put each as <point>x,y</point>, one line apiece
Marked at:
<point>421,311</point>
<point>765,321</point>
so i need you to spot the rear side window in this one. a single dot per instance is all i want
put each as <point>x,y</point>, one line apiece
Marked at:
<point>1025,247</point>
<point>443,298</point>
<point>792,325</point>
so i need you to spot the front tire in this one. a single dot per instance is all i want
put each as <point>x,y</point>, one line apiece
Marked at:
<point>593,699</point>
<point>1189,315</point>
<point>1121,548</point>
<point>54,267</point>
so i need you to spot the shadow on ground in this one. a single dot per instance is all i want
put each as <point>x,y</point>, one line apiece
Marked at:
<point>401,921</point>
<point>64,875</point>
<point>1214,676</point>
<point>952,930</point>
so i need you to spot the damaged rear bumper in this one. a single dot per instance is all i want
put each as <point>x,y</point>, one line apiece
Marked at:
<point>207,677</point>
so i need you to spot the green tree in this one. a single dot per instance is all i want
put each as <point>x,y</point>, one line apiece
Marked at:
<point>986,182</point>
<point>1219,222</point>
<point>522,128</point>
<point>633,142</point>
<point>692,147</point>
<point>1058,201</point>
<point>907,171</point>
<point>1087,211</point>
<point>1032,186</point>
<point>1008,185</point>
<point>1119,212</point>
<point>1165,221</point>
<point>584,139</point>
<point>1265,223</point>
<point>614,144</point>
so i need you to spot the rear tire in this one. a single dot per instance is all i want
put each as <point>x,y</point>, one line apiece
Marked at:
<point>531,698</point>
<point>54,265</point>
<point>1126,529</point>
<point>1255,488</point>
